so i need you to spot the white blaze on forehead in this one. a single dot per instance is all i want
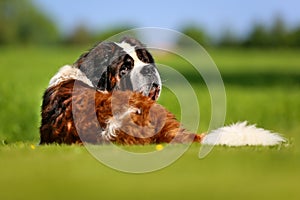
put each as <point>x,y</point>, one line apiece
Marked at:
<point>130,50</point>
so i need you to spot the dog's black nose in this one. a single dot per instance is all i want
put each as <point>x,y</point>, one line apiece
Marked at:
<point>155,85</point>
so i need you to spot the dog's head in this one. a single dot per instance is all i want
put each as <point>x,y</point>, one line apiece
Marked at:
<point>126,65</point>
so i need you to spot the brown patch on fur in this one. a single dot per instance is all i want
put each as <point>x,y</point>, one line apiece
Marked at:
<point>67,110</point>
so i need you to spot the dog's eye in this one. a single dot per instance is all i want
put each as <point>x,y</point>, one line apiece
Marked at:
<point>125,68</point>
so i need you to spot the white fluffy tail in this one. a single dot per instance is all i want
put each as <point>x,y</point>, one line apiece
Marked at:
<point>241,134</point>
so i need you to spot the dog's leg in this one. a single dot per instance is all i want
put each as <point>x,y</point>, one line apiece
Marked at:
<point>150,123</point>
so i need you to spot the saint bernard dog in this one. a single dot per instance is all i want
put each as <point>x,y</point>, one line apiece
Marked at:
<point>109,95</point>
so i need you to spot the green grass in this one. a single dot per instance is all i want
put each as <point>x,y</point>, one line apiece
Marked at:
<point>262,87</point>
<point>70,172</point>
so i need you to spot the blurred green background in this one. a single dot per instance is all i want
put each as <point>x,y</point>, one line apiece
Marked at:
<point>261,72</point>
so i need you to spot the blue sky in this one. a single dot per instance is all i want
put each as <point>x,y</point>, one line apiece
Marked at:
<point>215,16</point>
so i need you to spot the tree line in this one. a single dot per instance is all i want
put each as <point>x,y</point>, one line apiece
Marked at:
<point>22,23</point>
<point>260,35</point>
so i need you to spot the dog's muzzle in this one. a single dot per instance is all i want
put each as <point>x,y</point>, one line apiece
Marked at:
<point>144,79</point>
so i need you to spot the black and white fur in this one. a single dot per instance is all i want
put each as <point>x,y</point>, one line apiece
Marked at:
<point>125,65</point>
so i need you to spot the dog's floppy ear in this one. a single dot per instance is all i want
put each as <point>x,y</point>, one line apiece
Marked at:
<point>95,63</point>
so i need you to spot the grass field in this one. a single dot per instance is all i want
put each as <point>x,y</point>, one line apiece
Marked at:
<point>261,86</point>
